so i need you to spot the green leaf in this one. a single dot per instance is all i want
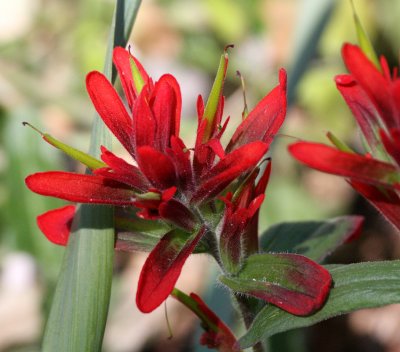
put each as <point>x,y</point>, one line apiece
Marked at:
<point>80,305</point>
<point>313,239</point>
<point>79,310</point>
<point>356,286</point>
<point>289,281</point>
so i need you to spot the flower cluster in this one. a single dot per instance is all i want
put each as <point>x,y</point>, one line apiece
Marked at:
<point>200,199</point>
<point>373,95</point>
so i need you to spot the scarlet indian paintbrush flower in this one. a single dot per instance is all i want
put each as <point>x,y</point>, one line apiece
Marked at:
<point>168,183</point>
<point>373,95</point>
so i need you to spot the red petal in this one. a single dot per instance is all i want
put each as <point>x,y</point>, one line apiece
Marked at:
<point>229,168</point>
<point>144,121</point>
<point>157,167</point>
<point>166,106</point>
<point>110,108</point>
<point>372,82</point>
<point>265,119</point>
<point>263,181</point>
<point>56,224</point>
<point>122,171</point>
<point>181,157</point>
<point>361,106</point>
<point>200,108</point>
<point>175,212</point>
<point>162,269</point>
<point>80,188</point>
<point>385,200</point>
<point>222,339</point>
<point>391,142</point>
<point>333,161</point>
<point>121,58</point>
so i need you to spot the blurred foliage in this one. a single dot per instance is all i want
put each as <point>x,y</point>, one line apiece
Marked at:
<point>50,45</point>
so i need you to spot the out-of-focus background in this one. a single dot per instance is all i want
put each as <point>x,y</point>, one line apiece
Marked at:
<point>46,49</point>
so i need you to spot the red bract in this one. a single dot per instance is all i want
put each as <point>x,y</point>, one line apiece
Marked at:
<point>239,231</point>
<point>373,96</point>
<point>167,182</point>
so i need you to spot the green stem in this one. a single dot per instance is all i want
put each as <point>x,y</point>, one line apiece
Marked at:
<point>194,307</point>
<point>79,310</point>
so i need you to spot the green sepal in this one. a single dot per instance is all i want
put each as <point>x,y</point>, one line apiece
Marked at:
<point>91,162</point>
<point>338,143</point>
<point>138,80</point>
<point>364,41</point>
<point>215,95</point>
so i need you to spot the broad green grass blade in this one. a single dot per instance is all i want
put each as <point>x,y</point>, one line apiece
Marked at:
<point>80,306</point>
<point>313,18</point>
<point>356,286</point>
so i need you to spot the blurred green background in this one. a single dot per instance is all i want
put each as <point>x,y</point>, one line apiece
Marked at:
<point>46,49</point>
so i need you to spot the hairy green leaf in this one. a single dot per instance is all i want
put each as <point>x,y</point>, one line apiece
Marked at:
<point>289,281</point>
<point>314,239</point>
<point>356,286</point>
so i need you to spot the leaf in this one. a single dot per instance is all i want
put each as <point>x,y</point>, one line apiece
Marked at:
<point>163,267</point>
<point>356,286</point>
<point>376,85</point>
<point>313,239</point>
<point>80,305</point>
<point>290,281</point>
<point>363,39</point>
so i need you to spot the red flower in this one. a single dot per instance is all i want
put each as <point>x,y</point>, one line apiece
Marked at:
<point>239,231</point>
<point>166,181</point>
<point>373,96</point>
